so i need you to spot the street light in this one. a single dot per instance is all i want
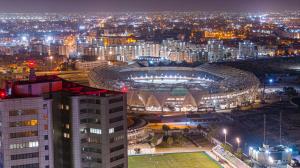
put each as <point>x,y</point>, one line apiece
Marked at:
<point>238,141</point>
<point>225,134</point>
<point>271,81</point>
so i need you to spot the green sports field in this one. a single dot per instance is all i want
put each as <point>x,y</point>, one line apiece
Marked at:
<point>174,160</point>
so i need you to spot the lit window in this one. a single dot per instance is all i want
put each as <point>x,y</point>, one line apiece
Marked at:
<point>67,135</point>
<point>45,127</point>
<point>111,130</point>
<point>95,131</point>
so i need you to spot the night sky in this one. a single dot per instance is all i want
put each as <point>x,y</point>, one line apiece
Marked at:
<point>144,5</point>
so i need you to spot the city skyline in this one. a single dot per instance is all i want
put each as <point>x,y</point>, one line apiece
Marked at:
<point>149,84</point>
<point>154,5</point>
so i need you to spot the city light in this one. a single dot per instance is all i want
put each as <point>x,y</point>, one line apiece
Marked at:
<point>271,160</point>
<point>225,134</point>
<point>2,94</point>
<point>135,82</point>
<point>271,81</point>
<point>238,141</point>
<point>24,38</point>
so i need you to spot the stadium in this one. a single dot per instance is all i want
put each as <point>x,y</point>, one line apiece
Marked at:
<point>153,88</point>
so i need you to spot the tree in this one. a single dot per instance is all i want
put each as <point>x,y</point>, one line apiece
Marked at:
<point>137,150</point>
<point>227,147</point>
<point>170,140</point>
<point>154,140</point>
<point>166,128</point>
<point>239,153</point>
<point>290,91</point>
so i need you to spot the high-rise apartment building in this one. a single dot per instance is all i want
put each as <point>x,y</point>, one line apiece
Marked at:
<point>49,122</point>
<point>216,50</point>
<point>247,50</point>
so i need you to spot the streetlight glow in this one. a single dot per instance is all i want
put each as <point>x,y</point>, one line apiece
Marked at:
<point>224,131</point>
<point>225,134</point>
<point>238,140</point>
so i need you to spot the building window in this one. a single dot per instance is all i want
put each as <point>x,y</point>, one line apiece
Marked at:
<point>116,119</point>
<point>23,112</point>
<point>115,100</point>
<point>66,135</point>
<point>116,109</point>
<point>90,121</point>
<point>111,130</point>
<point>23,134</point>
<point>24,156</point>
<point>119,128</point>
<point>115,158</point>
<point>34,165</point>
<point>97,101</point>
<point>46,157</point>
<point>45,127</point>
<point>45,137</point>
<point>116,148</point>
<point>30,144</point>
<point>117,138</point>
<point>95,131</point>
<point>91,149</point>
<point>23,123</point>
<point>46,147</point>
<point>45,106</point>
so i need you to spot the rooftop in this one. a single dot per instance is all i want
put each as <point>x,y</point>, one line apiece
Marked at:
<point>40,86</point>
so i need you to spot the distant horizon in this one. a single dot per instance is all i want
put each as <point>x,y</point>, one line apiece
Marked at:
<point>157,11</point>
<point>57,6</point>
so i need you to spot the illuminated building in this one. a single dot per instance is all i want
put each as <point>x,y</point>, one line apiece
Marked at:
<point>38,48</point>
<point>49,122</point>
<point>273,157</point>
<point>222,35</point>
<point>59,49</point>
<point>26,132</point>
<point>174,50</point>
<point>216,51</point>
<point>166,88</point>
<point>247,50</point>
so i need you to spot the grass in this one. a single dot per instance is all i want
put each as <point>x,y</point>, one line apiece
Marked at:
<point>173,160</point>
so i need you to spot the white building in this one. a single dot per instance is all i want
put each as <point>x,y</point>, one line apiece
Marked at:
<point>216,51</point>
<point>247,50</point>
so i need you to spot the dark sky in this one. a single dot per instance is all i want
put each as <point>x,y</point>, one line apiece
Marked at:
<point>143,5</point>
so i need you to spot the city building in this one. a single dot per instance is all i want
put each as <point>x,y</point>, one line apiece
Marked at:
<point>273,157</point>
<point>216,50</point>
<point>49,122</point>
<point>247,50</point>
